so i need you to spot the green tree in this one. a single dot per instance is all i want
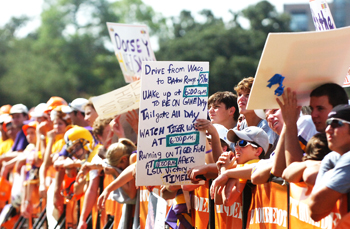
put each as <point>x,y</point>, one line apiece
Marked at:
<point>233,51</point>
<point>70,54</point>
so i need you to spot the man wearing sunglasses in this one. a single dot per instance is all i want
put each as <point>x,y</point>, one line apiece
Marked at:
<point>333,178</point>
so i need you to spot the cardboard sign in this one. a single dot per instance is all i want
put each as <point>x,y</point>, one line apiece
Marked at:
<point>119,101</point>
<point>321,15</point>
<point>301,61</point>
<point>131,46</point>
<point>173,96</point>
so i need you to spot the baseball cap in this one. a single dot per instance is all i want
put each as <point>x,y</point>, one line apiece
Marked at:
<point>3,118</point>
<point>251,134</point>
<point>18,109</point>
<point>54,102</point>
<point>222,131</point>
<point>5,109</point>
<point>260,113</point>
<point>341,112</point>
<point>7,120</point>
<point>39,110</point>
<point>32,124</point>
<point>76,105</point>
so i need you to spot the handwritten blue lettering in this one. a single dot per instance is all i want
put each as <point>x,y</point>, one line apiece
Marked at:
<point>155,71</point>
<point>151,132</point>
<point>150,94</point>
<point>172,128</point>
<point>195,101</point>
<point>127,45</point>
<point>175,70</point>
<point>152,114</point>
<point>194,68</point>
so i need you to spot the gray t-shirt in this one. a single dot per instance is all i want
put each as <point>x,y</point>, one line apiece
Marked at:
<point>334,172</point>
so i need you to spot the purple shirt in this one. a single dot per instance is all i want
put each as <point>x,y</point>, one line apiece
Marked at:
<point>20,142</point>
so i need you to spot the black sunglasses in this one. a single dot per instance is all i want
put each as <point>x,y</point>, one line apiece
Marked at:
<point>335,123</point>
<point>244,143</point>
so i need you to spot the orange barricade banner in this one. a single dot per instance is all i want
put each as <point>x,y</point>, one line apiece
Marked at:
<point>200,208</point>
<point>269,207</point>
<point>229,216</point>
<point>299,213</point>
<point>112,207</point>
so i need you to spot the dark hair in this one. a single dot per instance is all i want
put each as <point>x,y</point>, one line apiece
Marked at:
<point>335,93</point>
<point>227,98</point>
<point>223,143</point>
<point>262,155</point>
<point>76,112</point>
<point>99,126</point>
<point>316,148</point>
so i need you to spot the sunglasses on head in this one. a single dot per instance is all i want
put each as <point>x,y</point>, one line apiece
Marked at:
<point>244,143</point>
<point>335,123</point>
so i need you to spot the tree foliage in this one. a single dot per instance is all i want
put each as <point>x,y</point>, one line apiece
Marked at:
<point>70,54</point>
<point>232,50</point>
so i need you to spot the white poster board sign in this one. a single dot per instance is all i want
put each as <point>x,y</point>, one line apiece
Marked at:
<point>119,101</point>
<point>131,46</point>
<point>321,15</point>
<point>305,60</point>
<point>173,96</point>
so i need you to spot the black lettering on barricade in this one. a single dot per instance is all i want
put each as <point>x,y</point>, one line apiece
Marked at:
<point>173,96</point>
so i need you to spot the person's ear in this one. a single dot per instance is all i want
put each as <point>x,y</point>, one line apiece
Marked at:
<point>99,137</point>
<point>232,110</point>
<point>259,151</point>
<point>124,159</point>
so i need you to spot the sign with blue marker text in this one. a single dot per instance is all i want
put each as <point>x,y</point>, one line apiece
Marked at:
<point>300,61</point>
<point>131,46</point>
<point>173,96</point>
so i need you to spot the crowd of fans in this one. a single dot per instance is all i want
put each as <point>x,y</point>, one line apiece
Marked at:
<point>62,161</point>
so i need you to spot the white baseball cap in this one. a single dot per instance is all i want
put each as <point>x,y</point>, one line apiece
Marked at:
<point>76,105</point>
<point>39,110</point>
<point>251,134</point>
<point>222,131</point>
<point>18,109</point>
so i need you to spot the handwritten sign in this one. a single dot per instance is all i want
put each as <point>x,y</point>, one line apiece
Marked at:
<point>306,60</point>
<point>131,46</point>
<point>173,96</point>
<point>321,15</point>
<point>119,101</point>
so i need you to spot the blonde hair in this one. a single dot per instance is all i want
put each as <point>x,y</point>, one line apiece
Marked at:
<point>124,147</point>
<point>244,85</point>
